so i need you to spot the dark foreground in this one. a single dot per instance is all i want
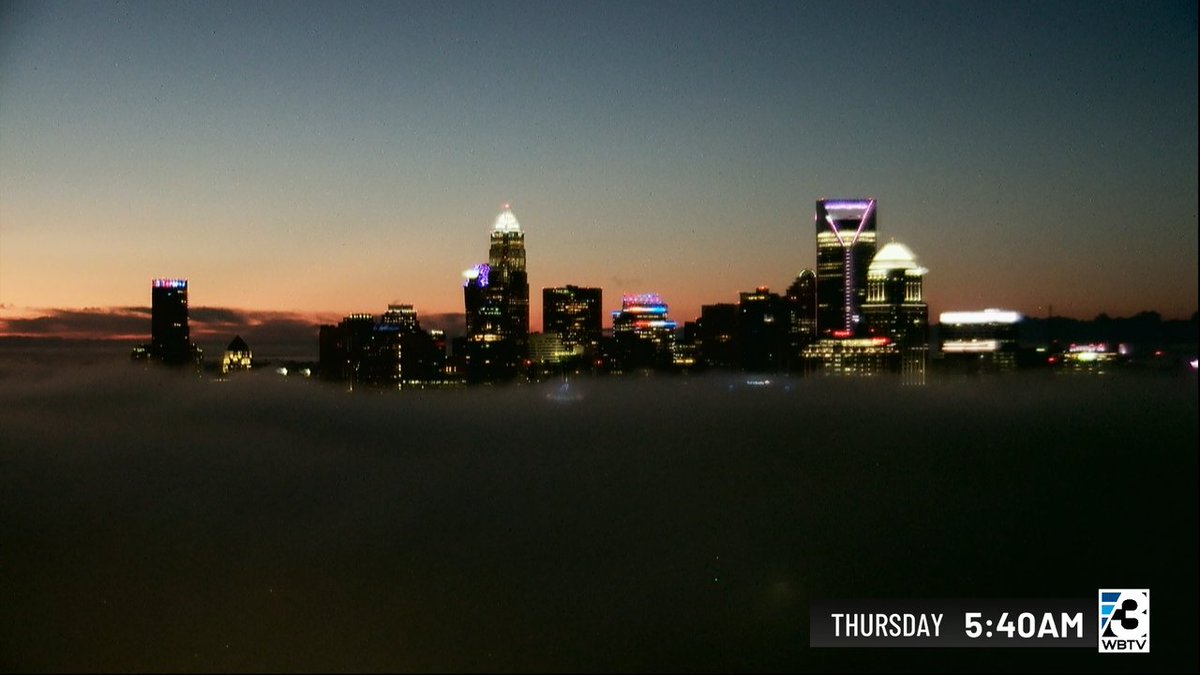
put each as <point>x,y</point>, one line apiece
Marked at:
<point>150,521</point>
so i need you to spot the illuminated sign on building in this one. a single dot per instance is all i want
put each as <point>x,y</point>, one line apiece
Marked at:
<point>480,272</point>
<point>986,316</point>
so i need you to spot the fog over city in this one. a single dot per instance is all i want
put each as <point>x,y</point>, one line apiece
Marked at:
<point>159,520</point>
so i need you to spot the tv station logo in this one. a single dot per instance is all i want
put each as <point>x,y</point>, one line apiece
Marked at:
<point>1125,620</point>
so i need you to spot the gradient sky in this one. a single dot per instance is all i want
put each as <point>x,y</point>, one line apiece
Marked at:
<point>312,157</point>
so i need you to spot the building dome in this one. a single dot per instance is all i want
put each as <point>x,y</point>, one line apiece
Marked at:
<point>506,221</point>
<point>895,256</point>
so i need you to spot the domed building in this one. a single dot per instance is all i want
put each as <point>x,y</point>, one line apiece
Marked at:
<point>895,307</point>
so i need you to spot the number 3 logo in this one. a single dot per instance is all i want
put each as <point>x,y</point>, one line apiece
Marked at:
<point>1129,618</point>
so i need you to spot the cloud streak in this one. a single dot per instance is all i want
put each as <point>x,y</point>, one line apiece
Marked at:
<point>208,324</point>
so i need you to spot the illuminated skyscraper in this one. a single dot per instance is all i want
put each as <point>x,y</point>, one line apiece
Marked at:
<point>496,297</point>
<point>575,314</point>
<point>895,307</point>
<point>506,261</point>
<point>643,332</point>
<point>845,246</point>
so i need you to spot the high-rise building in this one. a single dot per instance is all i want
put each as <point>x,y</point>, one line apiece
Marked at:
<point>716,335</point>
<point>574,313</point>
<point>344,348</point>
<point>496,297</point>
<point>802,314</point>
<point>895,307</point>
<point>845,246</point>
<point>484,302</point>
<point>170,335</point>
<point>643,333</point>
<point>394,351</point>
<point>506,262</point>
<point>762,330</point>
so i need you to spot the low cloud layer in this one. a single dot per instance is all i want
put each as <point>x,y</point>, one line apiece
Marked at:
<point>213,327</point>
<point>155,520</point>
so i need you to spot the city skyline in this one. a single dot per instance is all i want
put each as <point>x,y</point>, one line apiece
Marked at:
<point>287,169</point>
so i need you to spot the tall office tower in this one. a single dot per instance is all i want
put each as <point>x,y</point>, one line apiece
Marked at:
<point>486,353</point>
<point>393,352</point>
<point>345,347</point>
<point>496,295</point>
<point>170,337</point>
<point>643,333</point>
<point>484,302</point>
<point>845,246</point>
<point>895,308</point>
<point>575,314</point>
<point>802,310</point>
<point>762,330</point>
<point>402,354</point>
<point>717,333</point>
<point>400,318</point>
<point>506,260</point>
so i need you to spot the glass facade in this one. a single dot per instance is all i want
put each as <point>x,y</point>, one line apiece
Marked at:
<point>845,231</point>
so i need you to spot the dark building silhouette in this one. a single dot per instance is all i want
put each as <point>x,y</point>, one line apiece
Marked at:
<point>802,315</point>
<point>845,231</point>
<point>170,335</point>
<point>575,314</point>
<point>394,351</point>
<point>717,333</point>
<point>344,348</point>
<point>762,331</point>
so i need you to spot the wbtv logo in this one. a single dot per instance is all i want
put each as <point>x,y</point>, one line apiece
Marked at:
<point>1125,620</point>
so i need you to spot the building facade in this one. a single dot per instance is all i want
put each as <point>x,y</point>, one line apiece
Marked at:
<point>802,315</point>
<point>762,331</point>
<point>393,351</point>
<point>170,334</point>
<point>846,234</point>
<point>976,342</point>
<point>575,314</point>
<point>237,356</point>
<point>506,263</point>
<point>643,334</point>
<point>895,307</point>
<point>496,299</point>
